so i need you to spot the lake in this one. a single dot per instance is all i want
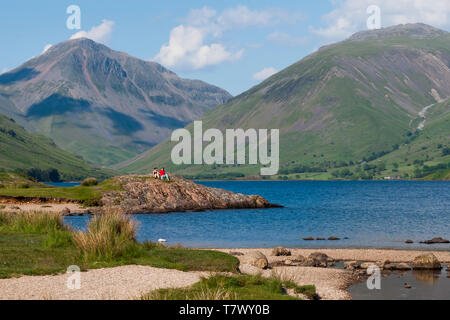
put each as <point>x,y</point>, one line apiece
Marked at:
<point>375,214</point>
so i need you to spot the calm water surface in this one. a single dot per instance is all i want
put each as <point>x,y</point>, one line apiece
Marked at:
<point>370,214</point>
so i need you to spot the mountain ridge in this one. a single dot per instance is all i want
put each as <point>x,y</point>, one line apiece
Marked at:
<point>350,102</point>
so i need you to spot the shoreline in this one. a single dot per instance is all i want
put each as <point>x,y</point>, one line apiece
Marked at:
<point>331,283</point>
<point>366,255</point>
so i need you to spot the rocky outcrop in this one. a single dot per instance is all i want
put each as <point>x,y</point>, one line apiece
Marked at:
<point>144,194</point>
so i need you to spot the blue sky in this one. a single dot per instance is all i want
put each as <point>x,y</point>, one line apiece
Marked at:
<point>232,44</point>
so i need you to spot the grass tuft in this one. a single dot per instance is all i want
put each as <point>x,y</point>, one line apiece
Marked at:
<point>109,236</point>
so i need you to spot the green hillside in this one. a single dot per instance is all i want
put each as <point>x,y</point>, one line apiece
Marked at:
<point>20,150</point>
<point>350,110</point>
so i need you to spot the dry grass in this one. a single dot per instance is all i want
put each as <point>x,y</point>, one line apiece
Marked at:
<point>109,236</point>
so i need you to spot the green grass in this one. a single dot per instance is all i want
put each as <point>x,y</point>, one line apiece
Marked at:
<point>235,287</point>
<point>39,244</point>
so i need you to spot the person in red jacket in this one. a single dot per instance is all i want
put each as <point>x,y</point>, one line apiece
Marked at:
<point>163,174</point>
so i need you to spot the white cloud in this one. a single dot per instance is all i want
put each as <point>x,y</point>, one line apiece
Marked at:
<point>264,74</point>
<point>47,47</point>
<point>195,44</point>
<point>4,70</point>
<point>101,33</point>
<point>351,16</point>
<point>286,39</point>
<point>186,49</point>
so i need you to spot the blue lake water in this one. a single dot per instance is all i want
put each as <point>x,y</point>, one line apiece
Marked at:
<point>370,214</point>
<point>63,184</point>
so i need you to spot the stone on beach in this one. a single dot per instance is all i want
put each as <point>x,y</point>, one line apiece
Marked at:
<point>280,251</point>
<point>403,267</point>
<point>426,262</point>
<point>256,259</point>
<point>317,259</point>
<point>65,212</point>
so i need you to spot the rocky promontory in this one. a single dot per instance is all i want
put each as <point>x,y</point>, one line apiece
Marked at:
<point>144,194</point>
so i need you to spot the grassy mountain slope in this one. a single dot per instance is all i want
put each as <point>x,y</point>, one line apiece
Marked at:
<point>346,105</point>
<point>22,150</point>
<point>102,104</point>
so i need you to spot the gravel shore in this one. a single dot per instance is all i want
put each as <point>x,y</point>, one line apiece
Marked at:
<point>128,282</point>
<point>50,207</point>
<point>331,284</point>
<point>367,255</point>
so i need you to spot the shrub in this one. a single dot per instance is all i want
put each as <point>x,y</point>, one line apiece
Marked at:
<point>23,185</point>
<point>89,182</point>
<point>110,235</point>
<point>445,152</point>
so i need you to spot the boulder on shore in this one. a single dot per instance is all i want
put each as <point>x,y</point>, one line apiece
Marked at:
<point>426,262</point>
<point>280,251</point>
<point>256,259</point>
<point>317,259</point>
<point>135,194</point>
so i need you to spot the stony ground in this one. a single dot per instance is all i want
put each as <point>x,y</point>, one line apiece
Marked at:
<point>331,284</point>
<point>366,255</point>
<point>128,282</point>
<point>50,207</point>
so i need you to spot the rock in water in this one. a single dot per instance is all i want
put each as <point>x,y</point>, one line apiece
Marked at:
<point>333,239</point>
<point>426,262</point>
<point>256,259</point>
<point>351,265</point>
<point>403,267</point>
<point>436,240</point>
<point>142,194</point>
<point>280,251</point>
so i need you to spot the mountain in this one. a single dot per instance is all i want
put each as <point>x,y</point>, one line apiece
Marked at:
<point>102,104</point>
<point>24,151</point>
<point>347,105</point>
